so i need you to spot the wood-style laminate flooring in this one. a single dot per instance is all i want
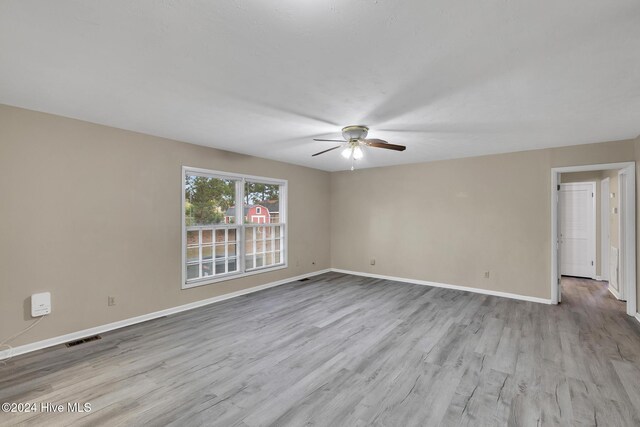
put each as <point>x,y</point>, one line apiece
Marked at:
<point>341,350</point>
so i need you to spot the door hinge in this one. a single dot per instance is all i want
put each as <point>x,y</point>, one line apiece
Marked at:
<point>591,194</point>
<point>591,262</point>
<point>558,280</point>
<point>558,187</point>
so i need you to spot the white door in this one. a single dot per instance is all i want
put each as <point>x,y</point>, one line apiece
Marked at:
<point>577,229</point>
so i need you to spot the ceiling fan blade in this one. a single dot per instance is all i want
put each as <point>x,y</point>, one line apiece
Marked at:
<point>322,152</point>
<point>379,143</point>
<point>329,140</point>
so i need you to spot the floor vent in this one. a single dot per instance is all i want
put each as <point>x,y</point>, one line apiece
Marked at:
<point>83,340</point>
<point>303,280</point>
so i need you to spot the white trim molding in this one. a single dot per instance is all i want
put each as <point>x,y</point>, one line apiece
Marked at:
<point>614,292</point>
<point>637,316</point>
<point>50,342</point>
<point>627,213</point>
<point>447,286</point>
<point>240,226</point>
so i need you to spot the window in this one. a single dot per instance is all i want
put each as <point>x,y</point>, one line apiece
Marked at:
<point>221,241</point>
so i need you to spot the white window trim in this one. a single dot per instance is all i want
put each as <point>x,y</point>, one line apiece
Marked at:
<point>242,178</point>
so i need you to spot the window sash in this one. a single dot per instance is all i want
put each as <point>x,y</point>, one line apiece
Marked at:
<point>226,259</point>
<point>271,255</point>
<point>270,250</point>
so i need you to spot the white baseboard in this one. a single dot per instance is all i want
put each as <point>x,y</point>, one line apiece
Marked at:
<point>613,292</point>
<point>447,286</point>
<point>637,316</point>
<point>38,345</point>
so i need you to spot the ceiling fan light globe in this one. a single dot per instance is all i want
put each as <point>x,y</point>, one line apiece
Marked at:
<point>357,153</point>
<point>346,153</point>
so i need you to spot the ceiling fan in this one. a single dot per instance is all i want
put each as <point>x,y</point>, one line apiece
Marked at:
<point>354,140</point>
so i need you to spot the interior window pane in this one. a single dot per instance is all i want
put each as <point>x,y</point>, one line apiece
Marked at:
<point>277,245</point>
<point>233,264</point>
<point>193,238</point>
<point>207,252</point>
<point>193,271</point>
<point>268,246</point>
<point>220,236</point>
<point>248,263</point>
<point>259,260</point>
<point>261,203</point>
<point>207,269</point>
<point>232,250</point>
<point>277,258</point>
<point>206,236</point>
<point>220,266</point>
<point>193,254</point>
<point>219,251</point>
<point>268,258</point>
<point>208,200</point>
<point>232,235</point>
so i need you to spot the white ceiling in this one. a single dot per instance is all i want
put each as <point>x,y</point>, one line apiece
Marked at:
<point>446,78</point>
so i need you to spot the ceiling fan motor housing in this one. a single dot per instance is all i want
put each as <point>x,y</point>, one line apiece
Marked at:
<point>351,133</point>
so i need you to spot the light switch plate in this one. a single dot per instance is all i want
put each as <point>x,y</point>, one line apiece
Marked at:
<point>40,304</point>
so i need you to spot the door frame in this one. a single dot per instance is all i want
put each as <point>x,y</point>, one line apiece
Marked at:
<point>628,227</point>
<point>592,224</point>
<point>622,238</point>
<point>605,228</point>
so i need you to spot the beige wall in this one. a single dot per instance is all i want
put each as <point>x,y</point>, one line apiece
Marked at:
<point>614,218</point>
<point>450,221</point>
<point>590,176</point>
<point>90,211</point>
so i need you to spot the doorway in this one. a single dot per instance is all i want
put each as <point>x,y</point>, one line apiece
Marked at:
<point>626,231</point>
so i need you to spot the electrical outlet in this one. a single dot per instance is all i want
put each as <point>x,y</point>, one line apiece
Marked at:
<point>111,301</point>
<point>486,274</point>
<point>373,261</point>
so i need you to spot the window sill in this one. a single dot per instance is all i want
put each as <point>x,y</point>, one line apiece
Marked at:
<point>232,276</point>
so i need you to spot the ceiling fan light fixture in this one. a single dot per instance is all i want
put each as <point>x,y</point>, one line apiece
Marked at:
<point>355,139</point>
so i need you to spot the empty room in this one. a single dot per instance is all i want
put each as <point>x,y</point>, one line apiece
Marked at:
<point>319,212</point>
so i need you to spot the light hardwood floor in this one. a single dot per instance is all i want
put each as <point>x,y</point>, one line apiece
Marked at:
<point>343,350</point>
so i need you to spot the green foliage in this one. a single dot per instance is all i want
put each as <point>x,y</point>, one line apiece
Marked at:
<point>255,192</point>
<point>207,199</point>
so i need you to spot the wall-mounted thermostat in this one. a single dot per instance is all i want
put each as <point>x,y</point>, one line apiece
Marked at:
<point>40,304</point>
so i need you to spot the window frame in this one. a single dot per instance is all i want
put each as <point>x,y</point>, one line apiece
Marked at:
<point>239,224</point>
